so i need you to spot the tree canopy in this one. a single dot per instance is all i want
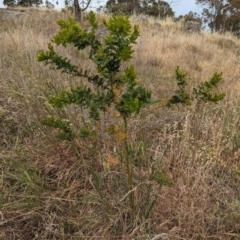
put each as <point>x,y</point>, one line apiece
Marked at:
<point>156,8</point>
<point>29,3</point>
<point>221,15</point>
<point>22,3</point>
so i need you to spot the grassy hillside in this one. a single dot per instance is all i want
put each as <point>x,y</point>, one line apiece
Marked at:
<point>47,191</point>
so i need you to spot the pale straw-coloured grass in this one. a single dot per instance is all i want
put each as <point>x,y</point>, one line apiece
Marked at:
<point>51,192</point>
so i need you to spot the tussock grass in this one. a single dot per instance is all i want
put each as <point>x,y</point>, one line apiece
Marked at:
<point>47,191</point>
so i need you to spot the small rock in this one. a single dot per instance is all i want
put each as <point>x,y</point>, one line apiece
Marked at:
<point>157,25</point>
<point>192,26</point>
<point>226,42</point>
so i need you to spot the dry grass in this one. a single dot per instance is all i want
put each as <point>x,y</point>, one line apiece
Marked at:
<point>47,192</point>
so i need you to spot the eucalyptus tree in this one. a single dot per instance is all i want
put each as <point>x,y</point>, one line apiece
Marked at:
<point>22,3</point>
<point>221,15</point>
<point>211,12</point>
<point>9,3</point>
<point>157,8</point>
<point>79,7</point>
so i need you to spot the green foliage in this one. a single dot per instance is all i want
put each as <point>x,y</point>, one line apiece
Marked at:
<point>160,9</point>
<point>221,15</point>
<point>203,91</point>
<point>133,100</point>
<point>9,3</point>
<point>53,58</point>
<point>65,132</point>
<point>22,3</point>
<point>107,56</point>
<point>112,87</point>
<point>84,132</point>
<point>237,171</point>
<point>181,94</point>
<point>49,4</point>
<point>24,184</point>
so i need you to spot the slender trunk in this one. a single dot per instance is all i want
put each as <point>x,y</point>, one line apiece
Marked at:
<point>77,11</point>
<point>129,170</point>
<point>134,8</point>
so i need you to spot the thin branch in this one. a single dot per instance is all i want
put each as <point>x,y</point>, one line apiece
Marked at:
<point>83,9</point>
<point>134,189</point>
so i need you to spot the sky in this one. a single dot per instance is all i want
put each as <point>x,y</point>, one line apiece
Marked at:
<point>180,7</point>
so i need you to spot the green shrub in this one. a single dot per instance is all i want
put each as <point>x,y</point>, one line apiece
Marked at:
<point>112,90</point>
